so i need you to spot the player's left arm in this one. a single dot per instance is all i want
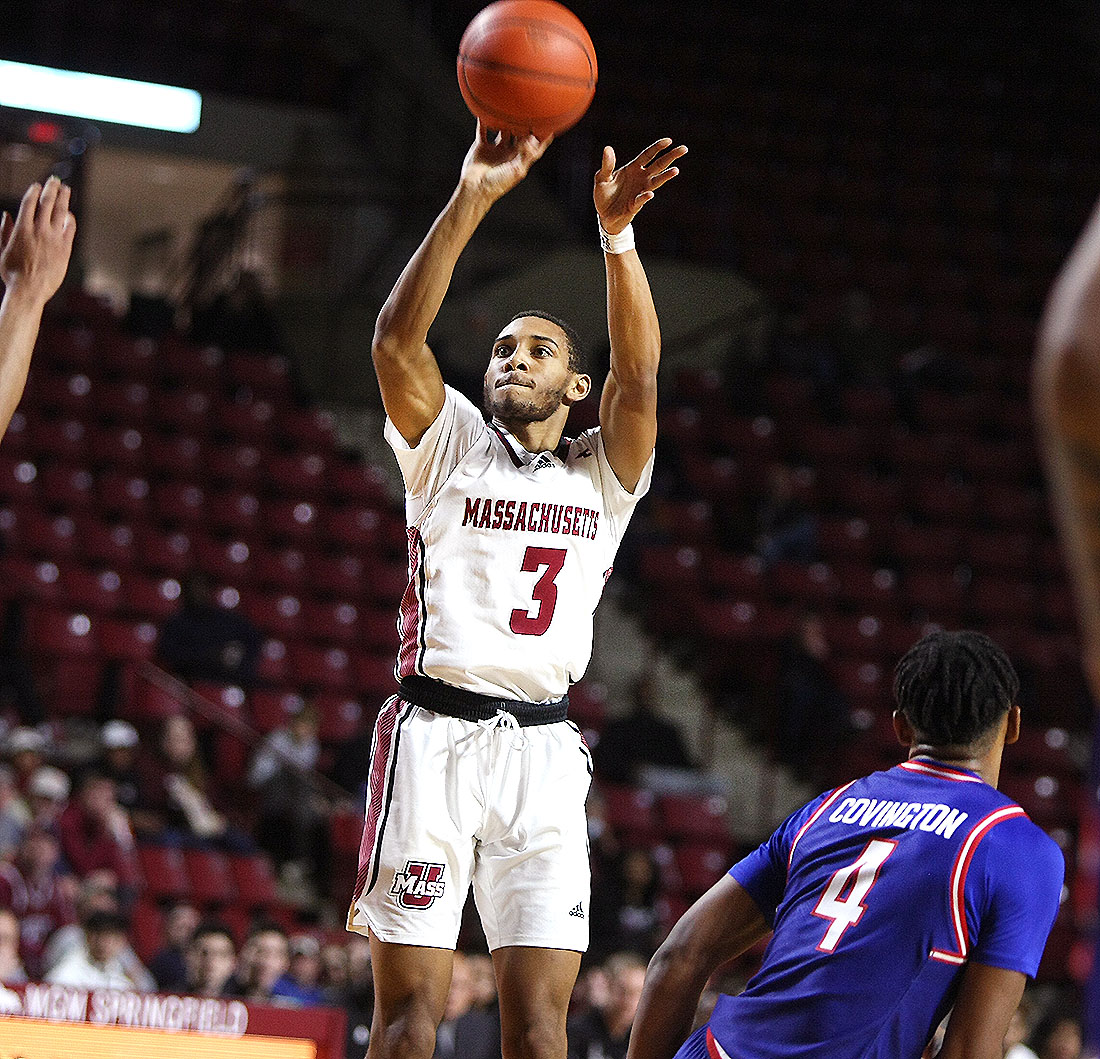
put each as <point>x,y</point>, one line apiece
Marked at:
<point>987,998</point>
<point>1067,407</point>
<point>34,256</point>
<point>722,924</point>
<point>628,406</point>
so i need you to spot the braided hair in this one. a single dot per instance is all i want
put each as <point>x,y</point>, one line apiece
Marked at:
<point>953,687</point>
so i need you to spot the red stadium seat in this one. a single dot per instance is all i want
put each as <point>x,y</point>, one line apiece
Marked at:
<point>313,428</point>
<point>186,410</point>
<point>149,597</point>
<point>283,569</point>
<point>32,579</point>
<point>277,614</point>
<point>331,621</point>
<point>118,448</point>
<point>700,865</point>
<point>271,709</point>
<point>96,592</point>
<point>49,536</point>
<point>180,503</point>
<point>123,495</point>
<point>105,543</point>
<point>631,812</point>
<point>350,526</point>
<point>67,488</point>
<point>211,879</point>
<point>266,373</point>
<point>239,464</point>
<point>342,717</point>
<point>372,674</point>
<point>301,475</point>
<point>124,402</point>
<point>695,816</point>
<point>341,576</point>
<point>18,479</point>
<point>146,929</point>
<point>130,641</point>
<point>233,511</point>
<point>351,481</point>
<point>164,872</point>
<point>289,520</point>
<point>318,667</point>
<point>64,440</point>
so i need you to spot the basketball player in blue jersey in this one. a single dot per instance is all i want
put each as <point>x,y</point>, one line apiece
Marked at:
<point>892,900</point>
<point>476,775</point>
<point>34,256</point>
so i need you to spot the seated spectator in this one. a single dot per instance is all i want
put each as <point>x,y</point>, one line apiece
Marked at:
<point>304,973</point>
<point>813,713</point>
<point>98,964</point>
<point>95,833</point>
<point>36,888</point>
<point>169,964</point>
<point>465,1032</point>
<point>602,1032</point>
<point>48,796</point>
<point>1019,1029</point>
<point>11,966</point>
<point>15,816</point>
<point>334,971</point>
<point>97,893</point>
<point>626,915</point>
<point>174,793</point>
<point>639,737</point>
<point>203,641</point>
<point>26,751</point>
<point>357,997</point>
<point>211,959</point>
<point>263,966</point>
<point>292,823</point>
<point>786,528</point>
<point>119,745</point>
<point>1058,1035</point>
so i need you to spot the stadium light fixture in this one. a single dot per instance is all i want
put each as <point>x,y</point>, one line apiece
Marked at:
<point>116,99</point>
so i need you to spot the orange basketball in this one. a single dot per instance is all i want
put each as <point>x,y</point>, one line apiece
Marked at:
<point>527,66</point>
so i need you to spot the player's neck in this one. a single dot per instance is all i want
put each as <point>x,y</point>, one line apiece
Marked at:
<point>541,436</point>
<point>987,765</point>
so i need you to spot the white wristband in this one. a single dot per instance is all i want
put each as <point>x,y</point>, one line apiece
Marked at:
<point>619,243</point>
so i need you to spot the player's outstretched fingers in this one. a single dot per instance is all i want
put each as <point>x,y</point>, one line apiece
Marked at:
<point>46,199</point>
<point>61,206</point>
<point>6,227</point>
<point>652,151</point>
<point>28,206</point>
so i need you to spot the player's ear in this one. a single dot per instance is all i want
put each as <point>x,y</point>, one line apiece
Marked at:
<point>903,729</point>
<point>1012,728</point>
<point>579,389</point>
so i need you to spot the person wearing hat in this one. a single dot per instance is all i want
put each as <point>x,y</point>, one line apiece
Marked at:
<point>119,746</point>
<point>47,795</point>
<point>15,816</point>
<point>26,750</point>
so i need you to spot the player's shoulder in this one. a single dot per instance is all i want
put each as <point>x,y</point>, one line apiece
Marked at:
<point>1016,839</point>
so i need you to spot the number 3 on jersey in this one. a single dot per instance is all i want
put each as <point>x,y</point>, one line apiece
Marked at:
<point>847,910</point>
<point>545,592</point>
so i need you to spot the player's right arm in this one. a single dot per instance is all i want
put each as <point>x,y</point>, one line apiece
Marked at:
<point>722,924</point>
<point>408,375</point>
<point>987,998</point>
<point>1067,406</point>
<point>34,256</point>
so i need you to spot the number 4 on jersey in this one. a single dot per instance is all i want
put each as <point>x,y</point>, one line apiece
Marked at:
<point>846,909</point>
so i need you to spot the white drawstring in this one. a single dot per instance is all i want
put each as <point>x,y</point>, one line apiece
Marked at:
<point>504,719</point>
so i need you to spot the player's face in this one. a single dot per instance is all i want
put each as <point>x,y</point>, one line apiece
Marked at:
<point>528,375</point>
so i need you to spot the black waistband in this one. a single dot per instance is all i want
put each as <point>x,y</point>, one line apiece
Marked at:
<point>450,701</point>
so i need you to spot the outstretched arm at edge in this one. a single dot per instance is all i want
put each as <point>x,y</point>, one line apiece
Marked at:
<point>628,405</point>
<point>408,375</point>
<point>722,924</point>
<point>1067,407</point>
<point>34,256</point>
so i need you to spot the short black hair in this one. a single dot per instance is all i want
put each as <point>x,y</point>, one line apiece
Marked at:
<point>105,922</point>
<point>212,928</point>
<point>578,356</point>
<point>953,687</point>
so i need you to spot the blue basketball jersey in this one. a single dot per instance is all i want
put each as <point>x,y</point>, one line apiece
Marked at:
<point>879,893</point>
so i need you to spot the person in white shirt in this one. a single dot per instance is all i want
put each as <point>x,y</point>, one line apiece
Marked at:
<point>99,963</point>
<point>476,775</point>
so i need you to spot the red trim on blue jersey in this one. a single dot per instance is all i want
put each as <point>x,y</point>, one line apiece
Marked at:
<point>944,772</point>
<point>714,1049</point>
<point>816,813</point>
<point>958,882</point>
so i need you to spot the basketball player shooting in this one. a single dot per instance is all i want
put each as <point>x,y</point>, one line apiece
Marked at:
<point>34,256</point>
<point>476,776</point>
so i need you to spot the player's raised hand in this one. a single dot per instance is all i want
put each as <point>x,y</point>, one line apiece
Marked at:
<point>36,246</point>
<point>498,161</point>
<point>620,193</point>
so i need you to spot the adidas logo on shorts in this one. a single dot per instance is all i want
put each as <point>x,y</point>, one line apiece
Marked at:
<point>577,911</point>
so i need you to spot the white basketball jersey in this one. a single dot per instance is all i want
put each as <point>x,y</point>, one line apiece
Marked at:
<point>508,554</point>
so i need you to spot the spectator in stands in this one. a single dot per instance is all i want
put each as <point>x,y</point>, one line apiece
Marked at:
<point>119,745</point>
<point>15,816</point>
<point>786,527</point>
<point>1058,1035</point>
<point>203,641</point>
<point>484,982</point>
<point>292,824</point>
<point>37,890</point>
<point>98,964</point>
<point>34,257</point>
<point>175,795</point>
<point>95,833</point>
<point>48,792</point>
<point>465,1032</point>
<point>603,1031</point>
<point>813,712</point>
<point>639,737</point>
<point>334,971</point>
<point>12,971</point>
<point>304,972</point>
<point>262,969</point>
<point>26,750</point>
<point>211,960</point>
<point>626,916</point>
<point>97,893</point>
<point>357,997</point>
<point>1019,1029</point>
<point>169,964</point>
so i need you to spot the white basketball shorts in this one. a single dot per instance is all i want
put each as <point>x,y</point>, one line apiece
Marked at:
<point>452,803</point>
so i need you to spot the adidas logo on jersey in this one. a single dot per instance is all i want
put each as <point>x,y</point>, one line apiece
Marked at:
<point>577,911</point>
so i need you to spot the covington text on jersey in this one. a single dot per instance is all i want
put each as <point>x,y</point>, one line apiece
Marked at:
<point>934,817</point>
<point>484,513</point>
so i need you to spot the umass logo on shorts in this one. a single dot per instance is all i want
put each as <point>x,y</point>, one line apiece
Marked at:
<point>419,884</point>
